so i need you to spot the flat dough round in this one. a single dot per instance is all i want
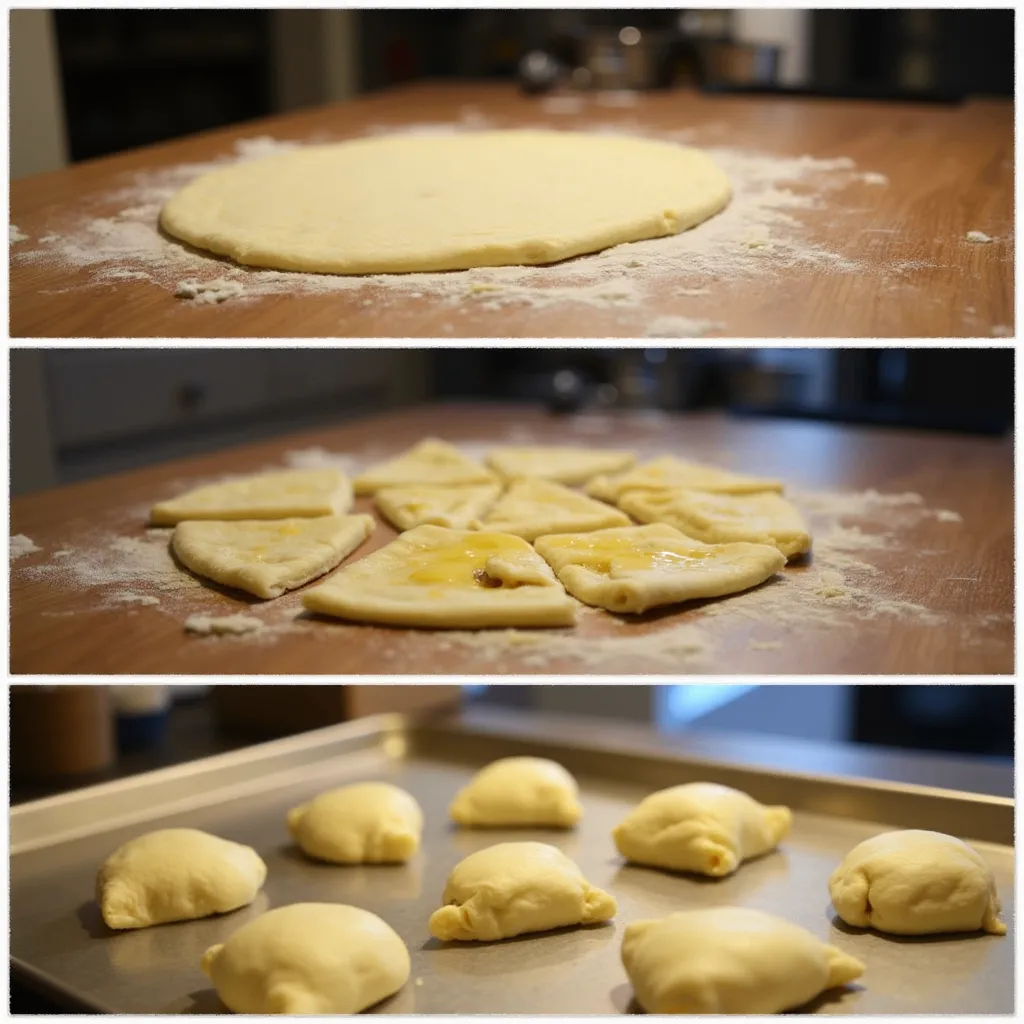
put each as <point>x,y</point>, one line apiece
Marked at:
<point>413,203</point>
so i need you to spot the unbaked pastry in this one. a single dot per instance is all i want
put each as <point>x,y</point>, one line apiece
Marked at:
<point>308,958</point>
<point>700,827</point>
<point>634,568</point>
<point>763,518</point>
<point>439,578</point>
<point>268,558</point>
<point>176,874</point>
<point>365,823</point>
<point>294,492</point>
<point>519,791</point>
<point>914,882</point>
<point>668,471</point>
<point>729,960</point>
<point>533,508</point>
<point>429,462</point>
<point>419,504</point>
<point>564,465</point>
<point>405,203</point>
<point>513,888</point>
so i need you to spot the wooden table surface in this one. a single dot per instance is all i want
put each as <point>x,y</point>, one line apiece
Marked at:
<point>912,273</point>
<point>956,575</point>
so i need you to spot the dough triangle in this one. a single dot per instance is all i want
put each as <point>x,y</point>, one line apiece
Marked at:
<point>417,504</point>
<point>763,518</point>
<point>668,471</point>
<point>440,578</point>
<point>429,462</point>
<point>566,465</point>
<point>532,508</point>
<point>634,568</point>
<point>297,492</point>
<point>268,558</point>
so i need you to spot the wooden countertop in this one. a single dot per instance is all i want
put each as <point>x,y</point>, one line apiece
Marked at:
<point>949,170</point>
<point>957,576</point>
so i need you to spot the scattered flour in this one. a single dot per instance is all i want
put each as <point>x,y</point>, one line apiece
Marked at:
<point>14,235</point>
<point>979,236</point>
<point>209,292</point>
<point>874,178</point>
<point>22,545</point>
<point>221,625</point>
<point>113,236</point>
<point>129,597</point>
<point>680,327</point>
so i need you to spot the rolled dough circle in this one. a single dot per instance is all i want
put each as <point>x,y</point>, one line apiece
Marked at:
<point>406,203</point>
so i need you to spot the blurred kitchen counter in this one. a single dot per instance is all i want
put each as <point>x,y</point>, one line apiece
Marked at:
<point>59,625</point>
<point>947,171</point>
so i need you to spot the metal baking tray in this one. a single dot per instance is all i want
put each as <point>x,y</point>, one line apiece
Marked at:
<point>60,946</point>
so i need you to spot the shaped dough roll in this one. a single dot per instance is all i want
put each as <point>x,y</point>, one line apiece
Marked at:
<point>309,958</point>
<point>286,495</point>
<point>914,882</point>
<point>519,791</point>
<point>513,888</point>
<point>366,823</point>
<point>700,827</point>
<point>729,960</point>
<point>176,874</point>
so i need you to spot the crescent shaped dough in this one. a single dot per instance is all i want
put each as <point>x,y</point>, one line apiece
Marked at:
<point>634,568</point>
<point>268,558</point>
<point>565,465</point>
<point>429,462</point>
<point>914,882</point>
<point>439,578</point>
<point>176,874</point>
<point>308,958</point>
<point>419,504</point>
<point>519,791</point>
<point>764,518</point>
<point>405,203</point>
<point>297,492</point>
<point>365,823</point>
<point>513,888</point>
<point>700,827</point>
<point>668,471</point>
<point>729,960</point>
<point>533,508</point>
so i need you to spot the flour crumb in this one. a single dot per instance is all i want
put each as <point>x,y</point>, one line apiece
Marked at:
<point>209,292</point>
<point>212,625</point>
<point>16,236</point>
<point>979,236</point>
<point>22,545</point>
<point>765,645</point>
<point>874,178</point>
<point>758,238</point>
<point>63,553</point>
<point>945,515</point>
<point>680,327</point>
<point>693,291</point>
<point>129,597</point>
<point>832,585</point>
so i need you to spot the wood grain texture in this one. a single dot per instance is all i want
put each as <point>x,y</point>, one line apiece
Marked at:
<point>949,170</point>
<point>962,572</point>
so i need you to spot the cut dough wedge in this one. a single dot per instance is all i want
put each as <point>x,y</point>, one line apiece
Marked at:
<point>700,827</point>
<point>309,958</point>
<point>293,493</point>
<point>561,464</point>
<point>532,508</point>
<point>668,471</point>
<point>440,578</point>
<point>519,791</point>
<point>429,462</point>
<point>268,558</point>
<point>634,568</point>
<point>365,823</point>
<point>764,518</point>
<point>176,874</point>
<point>419,504</point>
<point>914,882</point>
<point>729,960</point>
<point>514,888</point>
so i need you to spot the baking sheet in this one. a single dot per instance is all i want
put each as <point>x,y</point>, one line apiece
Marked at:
<point>59,943</point>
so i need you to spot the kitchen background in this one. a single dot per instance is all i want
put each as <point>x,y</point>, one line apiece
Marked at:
<point>85,83</point>
<point>80,413</point>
